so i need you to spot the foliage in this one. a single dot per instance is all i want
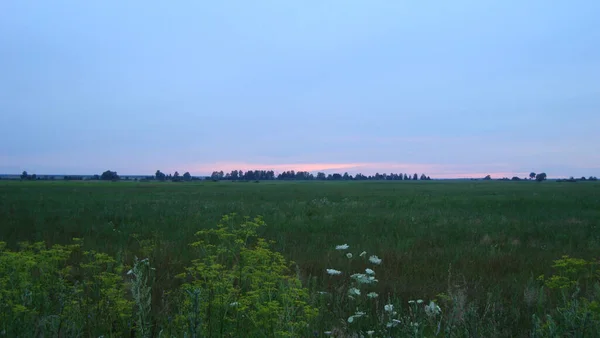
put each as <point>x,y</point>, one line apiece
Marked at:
<point>60,291</point>
<point>579,314</point>
<point>496,234</point>
<point>245,289</point>
<point>142,295</point>
<point>109,176</point>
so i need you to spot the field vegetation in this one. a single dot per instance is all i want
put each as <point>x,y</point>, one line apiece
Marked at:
<point>317,258</point>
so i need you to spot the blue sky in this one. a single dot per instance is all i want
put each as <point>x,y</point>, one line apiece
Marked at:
<point>448,88</point>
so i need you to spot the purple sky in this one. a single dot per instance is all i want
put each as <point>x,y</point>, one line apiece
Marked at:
<point>448,88</point>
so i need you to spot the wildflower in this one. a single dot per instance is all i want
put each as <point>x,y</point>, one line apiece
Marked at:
<point>342,247</point>
<point>411,302</point>
<point>362,254</point>
<point>370,332</point>
<point>432,309</point>
<point>420,301</point>
<point>372,295</point>
<point>234,304</point>
<point>358,314</point>
<point>363,279</point>
<point>389,308</point>
<point>322,292</point>
<point>375,260</point>
<point>393,323</point>
<point>130,272</point>
<point>327,333</point>
<point>349,255</point>
<point>369,271</point>
<point>354,292</point>
<point>334,272</point>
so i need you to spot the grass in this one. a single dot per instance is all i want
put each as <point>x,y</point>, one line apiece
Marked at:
<point>495,237</point>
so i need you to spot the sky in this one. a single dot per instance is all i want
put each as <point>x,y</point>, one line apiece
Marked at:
<point>460,88</point>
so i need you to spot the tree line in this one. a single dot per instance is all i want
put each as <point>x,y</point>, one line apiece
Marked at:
<point>292,175</point>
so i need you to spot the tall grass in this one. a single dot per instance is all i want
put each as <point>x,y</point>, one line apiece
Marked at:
<point>476,248</point>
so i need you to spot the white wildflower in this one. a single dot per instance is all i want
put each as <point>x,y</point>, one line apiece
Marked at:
<point>349,255</point>
<point>358,314</point>
<point>370,332</point>
<point>419,301</point>
<point>342,247</point>
<point>389,308</point>
<point>375,260</point>
<point>411,302</point>
<point>369,271</point>
<point>130,272</point>
<point>363,279</point>
<point>372,295</point>
<point>234,304</point>
<point>393,323</point>
<point>327,333</point>
<point>354,292</point>
<point>322,292</point>
<point>432,309</point>
<point>363,254</point>
<point>334,272</point>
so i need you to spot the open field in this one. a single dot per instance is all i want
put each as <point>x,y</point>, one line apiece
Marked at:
<point>497,237</point>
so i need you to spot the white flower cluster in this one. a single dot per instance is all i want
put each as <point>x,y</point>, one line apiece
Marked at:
<point>432,309</point>
<point>342,247</point>
<point>358,314</point>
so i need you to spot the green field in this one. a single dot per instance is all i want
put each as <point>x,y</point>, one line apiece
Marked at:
<point>491,239</point>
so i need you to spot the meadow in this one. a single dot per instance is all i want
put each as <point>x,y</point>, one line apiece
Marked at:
<point>472,244</point>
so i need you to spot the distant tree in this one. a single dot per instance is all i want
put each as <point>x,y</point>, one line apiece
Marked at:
<point>33,177</point>
<point>415,177</point>
<point>487,178</point>
<point>592,178</point>
<point>187,176</point>
<point>423,177</point>
<point>24,175</point>
<point>540,177</point>
<point>428,178</point>
<point>347,177</point>
<point>217,175</point>
<point>360,177</point>
<point>532,175</point>
<point>321,176</point>
<point>515,178</point>
<point>109,176</point>
<point>176,177</point>
<point>583,178</point>
<point>160,176</point>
